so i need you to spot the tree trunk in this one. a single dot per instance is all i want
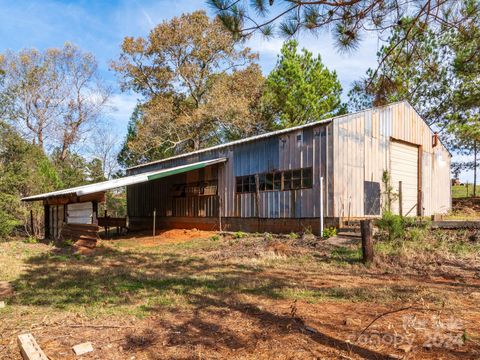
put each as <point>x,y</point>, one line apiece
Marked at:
<point>366,227</point>
<point>475,168</point>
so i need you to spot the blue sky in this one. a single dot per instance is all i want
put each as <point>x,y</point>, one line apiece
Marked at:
<point>100,26</point>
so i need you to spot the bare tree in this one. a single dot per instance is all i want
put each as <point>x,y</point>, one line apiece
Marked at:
<point>104,146</point>
<point>32,78</point>
<point>57,94</point>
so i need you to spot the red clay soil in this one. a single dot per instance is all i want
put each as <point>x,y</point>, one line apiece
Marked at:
<point>226,329</point>
<point>164,237</point>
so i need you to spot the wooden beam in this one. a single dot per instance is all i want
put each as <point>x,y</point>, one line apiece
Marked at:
<point>29,348</point>
<point>419,181</point>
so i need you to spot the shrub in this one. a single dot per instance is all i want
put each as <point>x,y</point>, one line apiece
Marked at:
<point>329,232</point>
<point>393,225</point>
<point>239,235</point>
<point>293,235</point>
<point>30,240</point>
<point>307,230</point>
<point>215,238</point>
<point>7,224</point>
<point>268,236</point>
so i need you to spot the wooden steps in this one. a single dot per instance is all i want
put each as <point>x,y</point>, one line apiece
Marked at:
<point>85,236</point>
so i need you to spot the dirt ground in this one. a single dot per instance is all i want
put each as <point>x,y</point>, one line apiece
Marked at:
<point>198,295</point>
<point>162,237</point>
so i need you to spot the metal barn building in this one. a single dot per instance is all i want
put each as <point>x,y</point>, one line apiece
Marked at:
<point>272,182</point>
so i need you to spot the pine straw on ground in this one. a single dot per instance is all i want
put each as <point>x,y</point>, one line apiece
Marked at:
<point>257,297</point>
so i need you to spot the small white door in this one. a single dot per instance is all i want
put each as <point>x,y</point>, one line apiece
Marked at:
<point>404,168</point>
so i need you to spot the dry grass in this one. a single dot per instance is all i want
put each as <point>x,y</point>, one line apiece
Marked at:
<point>243,297</point>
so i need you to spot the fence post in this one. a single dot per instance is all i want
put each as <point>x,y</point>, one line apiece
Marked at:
<point>31,223</point>
<point>219,213</point>
<point>366,227</point>
<point>400,199</point>
<point>321,206</point>
<point>105,224</point>
<point>154,218</point>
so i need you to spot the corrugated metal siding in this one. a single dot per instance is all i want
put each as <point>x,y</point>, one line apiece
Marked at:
<point>404,168</point>
<point>57,218</point>
<point>298,149</point>
<point>347,152</point>
<point>362,153</point>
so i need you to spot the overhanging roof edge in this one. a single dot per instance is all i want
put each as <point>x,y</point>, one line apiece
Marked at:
<point>125,181</point>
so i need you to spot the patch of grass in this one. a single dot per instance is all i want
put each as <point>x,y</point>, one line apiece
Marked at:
<point>346,255</point>
<point>441,243</point>
<point>239,235</point>
<point>329,232</point>
<point>461,191</point>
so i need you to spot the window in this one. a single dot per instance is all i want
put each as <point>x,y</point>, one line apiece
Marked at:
<point>287,180</point>
<point>262,183</point>
<point>307,178</point>
<point>252,184</point>
<point>245,184</point>
<point>296,179</point>
<point>269,181</point>
<point>276,181</point>
<point>239,184</point>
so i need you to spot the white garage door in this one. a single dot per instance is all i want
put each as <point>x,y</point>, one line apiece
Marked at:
<point>404,168</point>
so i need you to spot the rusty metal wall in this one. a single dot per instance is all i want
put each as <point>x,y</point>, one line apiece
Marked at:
<point>347,152</point>
<point>362,144</point>
<point>143,199</point>
<point>308,147</point>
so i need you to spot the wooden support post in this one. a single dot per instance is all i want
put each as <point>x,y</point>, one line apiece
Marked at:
<point>154,218</point>
<point>106,223</point>
<point>400,199</point>
<point>46,220</point>
<point>257,195</point>
<point>32,230</point>
<point>366,227</point>
<point>321,206</point>
<point>219,213</point>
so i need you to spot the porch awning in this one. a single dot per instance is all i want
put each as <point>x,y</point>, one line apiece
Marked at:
<point>127,180</point>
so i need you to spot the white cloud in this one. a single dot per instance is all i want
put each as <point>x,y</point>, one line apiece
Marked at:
<point>349,66</point>
<point>121,107</point>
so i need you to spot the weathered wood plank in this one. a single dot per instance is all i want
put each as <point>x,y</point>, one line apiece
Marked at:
<point>86,243</point>
<point>456,224</point>
<point>29,348</point>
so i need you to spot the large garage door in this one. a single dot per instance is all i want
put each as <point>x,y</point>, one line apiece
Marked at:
<point>404,168</point>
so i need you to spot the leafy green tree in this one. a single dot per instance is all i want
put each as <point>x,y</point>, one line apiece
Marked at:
<point>465,121</point>
<point>300,89</point>
<point>133,152</point>
<point>176,69</point>
<point>417,72</point>
<point>72,170</point>
<point>95,171</point>
<point>438,72</point>
<point>347,21</point>
<point>24,170</point>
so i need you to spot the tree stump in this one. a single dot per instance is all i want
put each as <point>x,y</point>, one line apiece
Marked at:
<point>366,227</point>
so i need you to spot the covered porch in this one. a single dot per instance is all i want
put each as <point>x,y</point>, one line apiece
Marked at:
<point>72,214</point>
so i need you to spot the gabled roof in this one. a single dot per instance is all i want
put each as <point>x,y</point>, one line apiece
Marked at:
<point>278,132</point>
<point>127,180</point>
